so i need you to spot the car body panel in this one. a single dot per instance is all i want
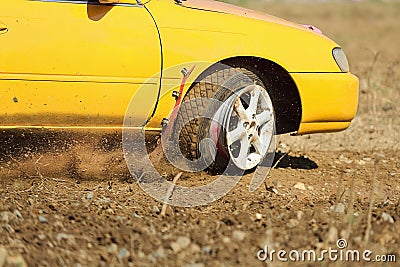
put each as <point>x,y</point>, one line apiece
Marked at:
<point>236,10</point>
<point>229,35</point>
<point>77,65</point>
<point>327,97</point>
<point>69,64</point>
<point>322,127</point>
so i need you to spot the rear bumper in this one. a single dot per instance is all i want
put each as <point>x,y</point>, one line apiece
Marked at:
<point>329,101</point>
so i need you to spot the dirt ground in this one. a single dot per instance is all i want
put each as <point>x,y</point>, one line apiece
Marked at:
<point>70,200</point>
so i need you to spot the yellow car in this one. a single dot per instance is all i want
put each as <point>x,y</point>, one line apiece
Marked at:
<point>74,64</point>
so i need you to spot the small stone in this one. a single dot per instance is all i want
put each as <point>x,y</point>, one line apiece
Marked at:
<point>16,261</point>
<point>226,240</point>
<point>300,186</point>
<point>141,254</point>
<point>10,229</point>
<point>332,235</point>
<point>293,223</point>
<point>89,196</point>
<point>110,211</point>
<point>156,209</point>
<point>339,208</point>
<point>259,216</point>
<point>238,235</point>
<point>59,224</point>
<point>3,256</point>
<point>361,162</point>
<point>194,248</point>
<point>50,244</point>
<point>235,213</point>
<point>42,219</point>
<point>345,159</point>
<point>5,216</point>
<point>181,243</point>
<point>69,238</point>
<point>122,254</point>
<point>17,213</point>
<point>206,250</point>
<point>135,215</point>
<point>300,215</point>
<point>112,249</point>
<point>159,253</point>
<point>121,218</point>
<point>387,217</point>
<point>42,236</point>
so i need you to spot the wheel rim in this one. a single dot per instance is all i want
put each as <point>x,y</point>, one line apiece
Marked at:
<point>248,118</point>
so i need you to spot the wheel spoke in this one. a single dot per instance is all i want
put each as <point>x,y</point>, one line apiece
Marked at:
<point>240,110</point>
<point>244,150</point>
<point>264,117</point>
<point>259,145</point>
<point>254,100</point>
<point>236,134</point>
<point>267,128</point>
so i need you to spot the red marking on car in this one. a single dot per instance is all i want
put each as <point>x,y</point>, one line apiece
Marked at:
<point>178,102</point>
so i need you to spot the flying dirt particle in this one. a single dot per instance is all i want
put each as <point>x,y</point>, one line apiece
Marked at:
<point>15,100</point>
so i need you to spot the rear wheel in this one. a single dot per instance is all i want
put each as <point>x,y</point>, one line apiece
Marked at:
<point>232,108</point>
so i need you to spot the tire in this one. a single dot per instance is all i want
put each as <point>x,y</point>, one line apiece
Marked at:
<point>213,121</point>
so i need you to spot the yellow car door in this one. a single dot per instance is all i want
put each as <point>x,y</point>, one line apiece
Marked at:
<point>75,63</point>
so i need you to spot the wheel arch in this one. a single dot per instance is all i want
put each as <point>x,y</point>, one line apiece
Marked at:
<point>281,87</point>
